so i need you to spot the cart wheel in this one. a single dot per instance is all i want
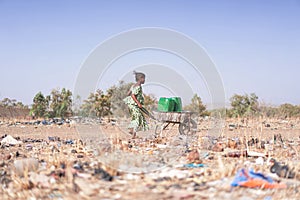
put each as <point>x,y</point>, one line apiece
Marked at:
<point>185,126</point>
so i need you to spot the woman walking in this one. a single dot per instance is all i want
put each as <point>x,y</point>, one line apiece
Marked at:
<point>135,102</point>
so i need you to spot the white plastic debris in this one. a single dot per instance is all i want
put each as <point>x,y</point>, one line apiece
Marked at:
<point>9,140</point>
<point>259,161</point>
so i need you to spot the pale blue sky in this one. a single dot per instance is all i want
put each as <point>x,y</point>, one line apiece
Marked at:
<point>254,44</point>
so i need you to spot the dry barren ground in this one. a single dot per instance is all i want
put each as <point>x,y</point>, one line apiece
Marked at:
<point>73,163</point>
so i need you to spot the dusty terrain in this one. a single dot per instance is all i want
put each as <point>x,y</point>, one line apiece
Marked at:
<point>101,161</point>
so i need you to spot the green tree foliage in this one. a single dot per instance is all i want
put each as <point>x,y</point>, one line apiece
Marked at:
<point>57,104</point>
<point>97,105</point>
<point>197,106</point>
<point>61,103</point>
<point>39,106</point>
<point>244,105</point>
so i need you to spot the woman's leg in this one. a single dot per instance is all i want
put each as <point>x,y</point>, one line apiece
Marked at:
<point>134,124</point>
<point>138,120</point>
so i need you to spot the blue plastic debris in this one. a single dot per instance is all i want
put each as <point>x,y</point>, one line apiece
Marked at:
<point>193,165</point>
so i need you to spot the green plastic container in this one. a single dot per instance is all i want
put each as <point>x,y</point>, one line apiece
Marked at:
<point>178,104</point>
<point>166,104</point>
<point>172,104</point>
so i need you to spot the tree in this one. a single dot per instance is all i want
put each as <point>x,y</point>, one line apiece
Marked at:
<point>12,103</point>
<point>244,104</point>
<point>6,102</point>
<point>97,105</point>
<point>39,106</point>
<point>102,104</point>
<point>117,94</point>
<point>20,105</point>
<point>61,103</point>
<point>197,106</point>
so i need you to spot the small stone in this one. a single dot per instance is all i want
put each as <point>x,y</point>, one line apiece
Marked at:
<point>73,151</point>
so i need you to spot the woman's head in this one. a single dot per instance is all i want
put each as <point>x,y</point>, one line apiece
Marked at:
<point>139,77</point>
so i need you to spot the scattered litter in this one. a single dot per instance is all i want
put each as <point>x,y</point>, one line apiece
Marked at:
<point>251,179</point>
<point>29,146</point>
<point>69,142</point>
<point>9,140</point>
<point>234,153</point>
<point>281,170</point>
<point>102,174</point>
<point>60,168</point>
<point>259,161</point>
<point>255,154</point>
<point>193,165</point>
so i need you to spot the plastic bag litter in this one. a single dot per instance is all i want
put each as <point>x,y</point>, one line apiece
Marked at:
<point>9,140</point>
<point>251,179</point>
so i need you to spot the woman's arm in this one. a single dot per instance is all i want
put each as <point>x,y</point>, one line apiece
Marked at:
<point>135,99</point>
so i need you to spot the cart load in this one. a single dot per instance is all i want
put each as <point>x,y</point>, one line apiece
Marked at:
<point>169,111</point>
<point>172,104</point>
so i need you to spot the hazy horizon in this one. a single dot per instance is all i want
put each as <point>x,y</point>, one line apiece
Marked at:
<point>255,45</point>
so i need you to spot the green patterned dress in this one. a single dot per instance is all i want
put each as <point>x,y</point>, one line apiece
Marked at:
<point>138,121</point>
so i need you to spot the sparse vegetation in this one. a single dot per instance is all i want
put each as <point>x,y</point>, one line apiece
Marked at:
<point>98,104</point>
<point>110,103</point>
<point>12,103</point>
<point>57,104</point>
<point>39,106</point>
<point>197,106</point>
<point>244,105</point>
<point>117,94</point>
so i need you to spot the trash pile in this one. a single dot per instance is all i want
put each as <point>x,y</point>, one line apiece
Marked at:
<point>234,166</point>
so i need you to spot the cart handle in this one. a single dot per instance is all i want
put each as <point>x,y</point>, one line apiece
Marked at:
<point>144,110</point>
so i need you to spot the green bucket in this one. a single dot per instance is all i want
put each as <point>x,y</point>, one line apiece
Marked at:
<point>166,104</point>
<point>178,104</point>
<point>172,104</point>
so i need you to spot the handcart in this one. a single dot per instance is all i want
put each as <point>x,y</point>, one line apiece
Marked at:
<point>183,118</point>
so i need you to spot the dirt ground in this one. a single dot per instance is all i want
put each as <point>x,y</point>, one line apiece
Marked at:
<point>103,162</point>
